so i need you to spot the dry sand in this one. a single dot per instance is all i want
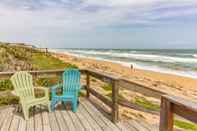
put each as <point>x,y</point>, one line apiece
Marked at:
<point>172,84</point>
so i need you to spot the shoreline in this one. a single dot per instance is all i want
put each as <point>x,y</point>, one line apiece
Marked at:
<point>177,72</point>
<point>169,83</point>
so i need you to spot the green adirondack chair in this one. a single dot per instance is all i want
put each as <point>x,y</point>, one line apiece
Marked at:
<point>23,86</point>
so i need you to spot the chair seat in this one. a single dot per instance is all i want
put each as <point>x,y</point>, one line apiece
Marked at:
<point>36,101</point>
<point>64,96</point>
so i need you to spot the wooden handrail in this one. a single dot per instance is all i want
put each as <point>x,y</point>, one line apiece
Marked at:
<point>7,75</point>
<point>138,87</point>
<point>101,75</point>
<point>134,106</point>
<point>171,105</point>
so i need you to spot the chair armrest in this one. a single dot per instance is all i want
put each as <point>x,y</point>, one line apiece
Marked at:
<point>46,90</point>
<point>54,88</point>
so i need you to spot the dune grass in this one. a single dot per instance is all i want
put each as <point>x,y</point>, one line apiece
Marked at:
<point>8,100</point>
<point>107,87</point>
<point>188,126</point>
<point>120,97</point>
<point>146,103</point>
<point>47,62</point>
<point>5,85</point>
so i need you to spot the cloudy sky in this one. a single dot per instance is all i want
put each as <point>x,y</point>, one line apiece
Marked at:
<point>100,23</point>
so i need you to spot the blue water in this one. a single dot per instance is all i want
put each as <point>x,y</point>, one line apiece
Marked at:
<point>179,62</point>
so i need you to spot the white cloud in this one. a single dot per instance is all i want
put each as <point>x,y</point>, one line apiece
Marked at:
<point>54,18</point>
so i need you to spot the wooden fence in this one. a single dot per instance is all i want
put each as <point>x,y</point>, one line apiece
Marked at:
<point>169,104</point>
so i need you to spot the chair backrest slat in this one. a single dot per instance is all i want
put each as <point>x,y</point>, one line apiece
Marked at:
<point>23,84</point>
<point>71,80</point>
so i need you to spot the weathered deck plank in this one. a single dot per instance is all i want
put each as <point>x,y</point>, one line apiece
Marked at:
<point>53,122</point>
<point>2,117</point>
<point>22,124</point>
<point>129,127</point>
<point>87,118</point>
<point>138,126</point>
<point>76,121</point>
<point>60,120</point>
<point>84,122</point>
<point>90,120</point>
<point>45,119</point>
<point>7,120</point>
<point>68,120</point>
<point>30,122</point>
<point>15,123</point>
<point>107,121</point>
<point>94,115</point>
<point>38,119</point>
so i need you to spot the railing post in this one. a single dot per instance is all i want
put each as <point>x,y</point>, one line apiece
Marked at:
<point>87,85</point>
<point>166,115</point>
<point>115,92</point>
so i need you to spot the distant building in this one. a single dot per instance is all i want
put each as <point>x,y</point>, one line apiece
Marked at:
<point>21,45</point>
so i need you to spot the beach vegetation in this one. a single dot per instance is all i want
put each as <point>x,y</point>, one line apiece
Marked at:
<point>8,100</point>
<point>93,80</point>
<point>185,125</point>
<point>120,97</point>
<point>107,87</point>
<point>47,62</point>
<point>5,85</point>
<point>82,94</point>
<point>146,103</point>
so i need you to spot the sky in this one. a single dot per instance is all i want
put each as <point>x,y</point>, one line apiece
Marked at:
<point>100,23</point>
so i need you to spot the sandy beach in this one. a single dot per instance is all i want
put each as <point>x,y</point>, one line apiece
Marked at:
<point>172,84</point>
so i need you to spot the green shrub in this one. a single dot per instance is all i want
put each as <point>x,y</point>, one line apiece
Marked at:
<point>47,62</point>
<point>107,87</point>
<point>47,82</point>
<point>120,97</point>
<point>5,85</point>
<point>185,125</point>
<point>93,80</point>
<point>146,104</point>
<point>82,94</point>
<point>8,100</point>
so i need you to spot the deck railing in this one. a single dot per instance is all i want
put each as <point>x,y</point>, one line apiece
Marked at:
<point>169,105</point>
<point>113,103</point>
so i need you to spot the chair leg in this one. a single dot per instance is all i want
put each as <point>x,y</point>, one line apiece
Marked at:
<point>26,112</point>
<point>49,107</point>
<point>53,103</point>
<point>74,105</point>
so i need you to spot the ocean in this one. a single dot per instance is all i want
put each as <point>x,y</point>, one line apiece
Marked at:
<point>172,61</point>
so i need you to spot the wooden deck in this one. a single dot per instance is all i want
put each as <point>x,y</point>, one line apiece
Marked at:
<point>87,118</point>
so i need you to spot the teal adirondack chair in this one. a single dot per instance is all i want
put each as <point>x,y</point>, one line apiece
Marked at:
<point>23,86</point>
<point>70,89</point>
